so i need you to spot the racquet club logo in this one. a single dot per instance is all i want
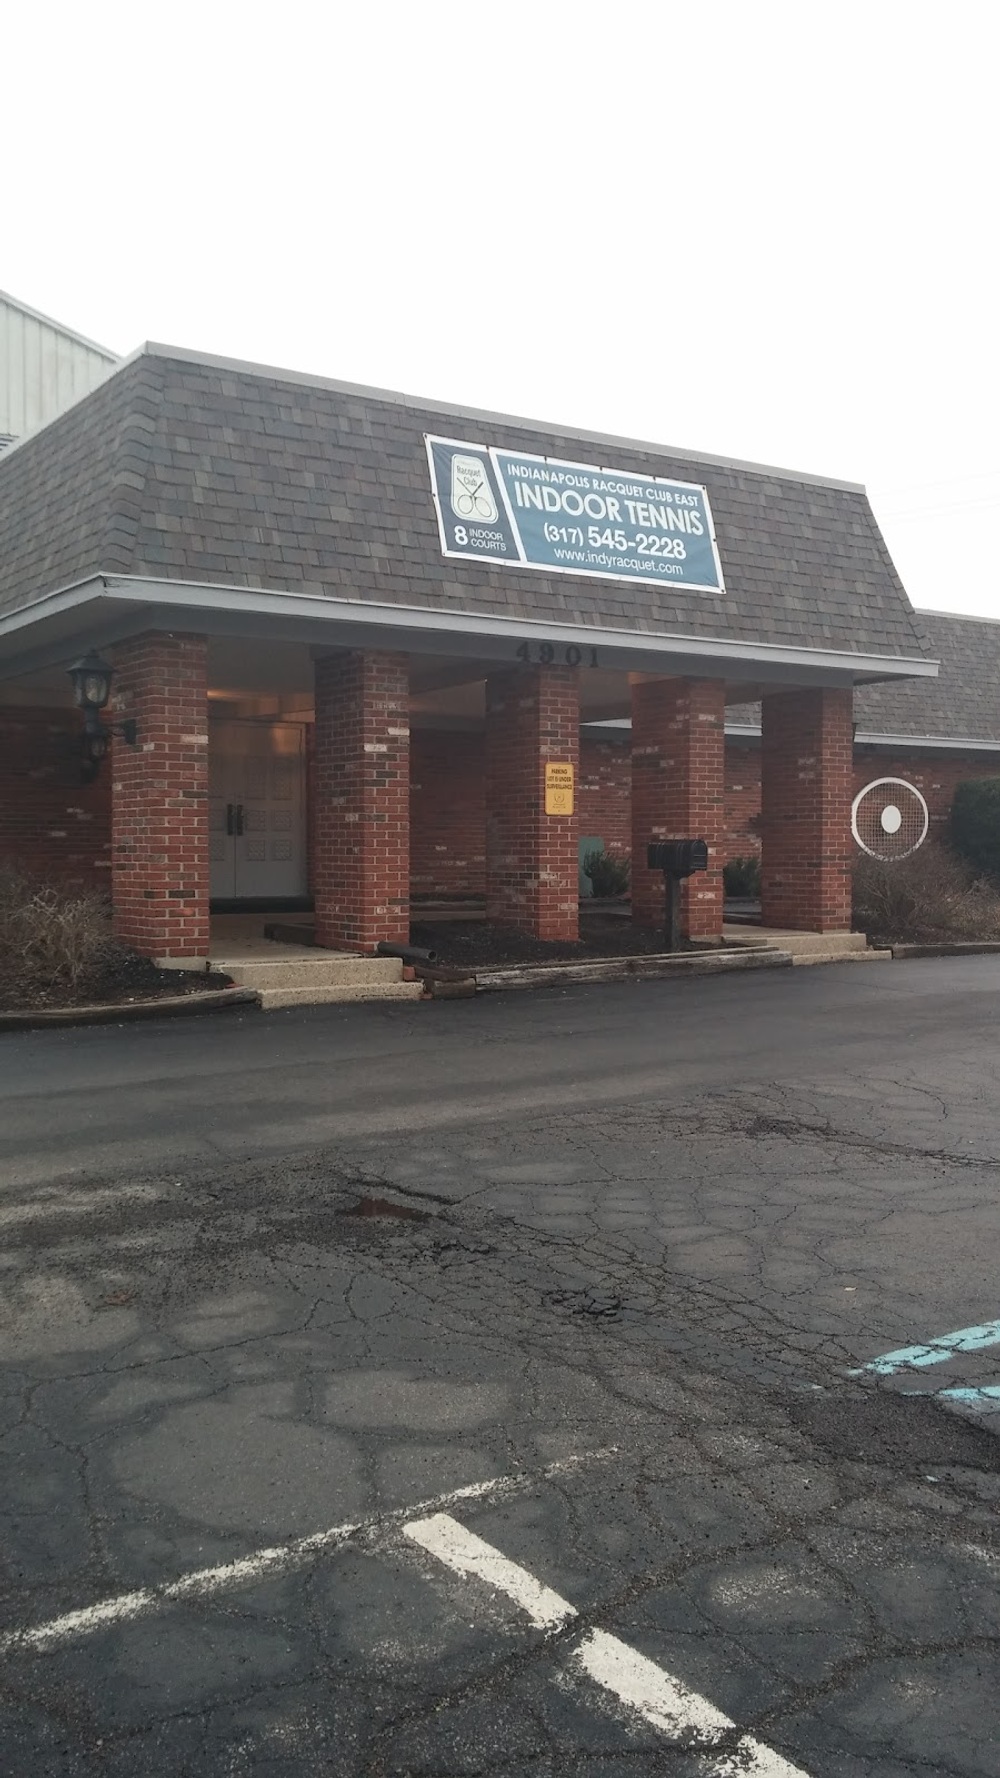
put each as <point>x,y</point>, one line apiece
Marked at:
<point>471,494</point>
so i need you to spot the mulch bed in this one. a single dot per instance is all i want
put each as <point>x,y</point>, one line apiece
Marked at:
<point>481,946</point>
<point>123,979</point>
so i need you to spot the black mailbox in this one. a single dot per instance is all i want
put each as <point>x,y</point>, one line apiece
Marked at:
<point>677,858</point>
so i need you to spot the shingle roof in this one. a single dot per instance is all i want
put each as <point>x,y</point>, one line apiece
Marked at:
<point>199,470</point>
<point>962,703</point>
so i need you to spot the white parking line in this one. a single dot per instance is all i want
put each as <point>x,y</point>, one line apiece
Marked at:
<point>264,1564</point>
<point>466,1553</point>
<point>634,1680</point>
<point>637,1682</point>
<point>666,1704</point>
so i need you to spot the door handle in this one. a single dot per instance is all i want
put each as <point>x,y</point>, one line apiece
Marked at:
<point>239,819</point>
<point>229,819</point>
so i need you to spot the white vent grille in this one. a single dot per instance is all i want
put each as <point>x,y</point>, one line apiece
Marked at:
<point>889,818</point>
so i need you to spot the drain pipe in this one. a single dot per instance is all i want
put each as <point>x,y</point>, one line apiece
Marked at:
<point>408,953</point>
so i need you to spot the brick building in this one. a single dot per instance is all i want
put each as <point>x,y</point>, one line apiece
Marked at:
<point>931,734</point>
<point>336,706</point>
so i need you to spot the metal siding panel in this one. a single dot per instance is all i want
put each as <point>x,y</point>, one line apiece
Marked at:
<point>31,373</point>
<point>5,369</point>
<point>47,387</point>
<point>64,382</point>
<point>42,370</point>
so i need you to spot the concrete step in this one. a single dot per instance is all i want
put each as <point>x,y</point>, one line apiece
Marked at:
<point>334,994</point>
<point>805,947</point>
<point>320,969</point>
<point>800,943</point>
<point>867,956</point>
<point>842,944</point>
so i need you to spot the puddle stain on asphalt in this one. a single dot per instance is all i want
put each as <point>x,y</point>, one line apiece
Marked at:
<point>384,1207</point>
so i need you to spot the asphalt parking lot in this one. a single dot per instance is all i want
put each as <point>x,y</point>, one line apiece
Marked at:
<point>486,1387</point>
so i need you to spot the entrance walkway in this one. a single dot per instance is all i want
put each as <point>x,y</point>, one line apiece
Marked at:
<point>301,975</point>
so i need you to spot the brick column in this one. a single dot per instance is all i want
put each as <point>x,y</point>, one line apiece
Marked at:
<point>159,798</point>
<point>361,801</point>
<point>678,793</point>
<point>532,862</point>
<point>806,771</point>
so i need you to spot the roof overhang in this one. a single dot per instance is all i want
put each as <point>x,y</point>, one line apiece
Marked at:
<point>107,608</point>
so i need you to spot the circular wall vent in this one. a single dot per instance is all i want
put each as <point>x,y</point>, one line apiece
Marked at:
<point>889,818</point>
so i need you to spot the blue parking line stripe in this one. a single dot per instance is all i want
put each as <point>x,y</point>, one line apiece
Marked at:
<point>990,1392</point>
<point>967,1339</point>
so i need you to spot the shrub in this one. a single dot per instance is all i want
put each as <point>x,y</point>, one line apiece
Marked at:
<point>741,878</point>
<point>609,872</point>
<point>975,824</point>
<point>931,895</point>
<point>53,941</point>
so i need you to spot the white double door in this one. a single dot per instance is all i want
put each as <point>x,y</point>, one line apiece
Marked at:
<point>257,811</point>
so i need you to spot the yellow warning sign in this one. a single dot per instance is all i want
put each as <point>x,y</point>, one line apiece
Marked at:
<point>558,787</point>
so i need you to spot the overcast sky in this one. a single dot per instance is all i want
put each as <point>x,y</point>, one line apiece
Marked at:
<point>759,229</point>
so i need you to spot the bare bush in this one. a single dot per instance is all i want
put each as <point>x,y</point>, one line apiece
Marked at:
<point>609,873</point>
<point>53,941</point>
<point>929,896</point>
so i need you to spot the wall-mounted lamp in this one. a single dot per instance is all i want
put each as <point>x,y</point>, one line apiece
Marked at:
<point>91,679</point>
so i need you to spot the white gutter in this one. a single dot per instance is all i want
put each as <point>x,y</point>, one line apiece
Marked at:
<point>198,595</point>
<point>958,745</point>
<point>746,731</point>
<point>742,731</point>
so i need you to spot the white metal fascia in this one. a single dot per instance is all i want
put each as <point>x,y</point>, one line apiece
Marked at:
<point>197,595</point>
<point>953,743</point>
<point>50,604</point>
<point>421,617</point>
<point>744,731</point>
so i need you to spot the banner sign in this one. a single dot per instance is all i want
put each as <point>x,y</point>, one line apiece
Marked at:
<point>571,518</point>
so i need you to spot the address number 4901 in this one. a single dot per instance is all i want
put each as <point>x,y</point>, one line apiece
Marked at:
<point>546,654</point>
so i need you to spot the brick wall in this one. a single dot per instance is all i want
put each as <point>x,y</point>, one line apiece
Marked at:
<point>447,814</point>
<point>934,775</point>
<point>361,813</point>
<point>448,831</point>
<point>742,808</point>
<point>532,868</point>
<point>51,824</point>
<point>806,775</point>
<point>678,759</point>
<point>606,791</point>
<point>448,807</point>
<point>449,819</point>
<point>60,829</point>
<point>159,797</point>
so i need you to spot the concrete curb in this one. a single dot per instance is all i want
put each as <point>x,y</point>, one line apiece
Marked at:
<point>172,1006</point>
<point>984,948</point>
<point>623,969</point>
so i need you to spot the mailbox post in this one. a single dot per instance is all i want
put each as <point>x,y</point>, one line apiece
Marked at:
<point>677,859</point>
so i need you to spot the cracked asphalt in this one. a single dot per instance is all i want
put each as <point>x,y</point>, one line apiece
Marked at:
<point>590,1267</point>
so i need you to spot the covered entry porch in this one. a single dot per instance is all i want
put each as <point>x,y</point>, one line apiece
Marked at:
<point>276,774</point>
